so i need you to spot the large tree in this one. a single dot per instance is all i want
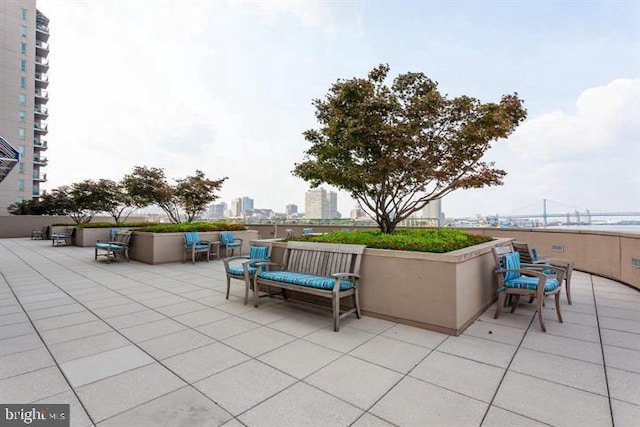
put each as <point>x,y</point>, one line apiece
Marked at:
<point>148,186</point>
<point>395,149</point>
<point>86,200</point>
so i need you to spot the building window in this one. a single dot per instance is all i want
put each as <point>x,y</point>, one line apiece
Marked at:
<point>24,14</point>
<point>21,184</point>
<point>23,30</point>
<point>19,199</point>
<point>21,150</point>
<point>22,116</point>
<point>23,48</point>
<point>20,133</point>
<point>21,167</point>
<point>23,65</point>
<point>23,82</point>
<point>22,99</point>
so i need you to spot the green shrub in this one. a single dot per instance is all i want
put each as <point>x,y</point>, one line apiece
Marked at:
<point>439,241</point>
<point>114,225</point>
<point>192,226</point>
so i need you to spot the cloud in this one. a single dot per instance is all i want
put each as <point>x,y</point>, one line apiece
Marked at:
<point>606,118</point>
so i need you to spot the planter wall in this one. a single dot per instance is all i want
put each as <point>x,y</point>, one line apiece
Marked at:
<point>160,248</point>
<point>440,292</point>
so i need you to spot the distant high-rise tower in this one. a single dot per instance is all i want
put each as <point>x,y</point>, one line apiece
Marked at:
<point>321,204</point>
<point>291,209</point>
<point>217,210</point>
<point>433,211</point>
<point>24,32</point>
<point>247,206</point>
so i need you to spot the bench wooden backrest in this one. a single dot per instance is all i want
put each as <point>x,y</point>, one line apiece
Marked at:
<point>322,259</point>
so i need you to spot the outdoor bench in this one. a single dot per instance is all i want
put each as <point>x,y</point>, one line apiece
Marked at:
<point>62,237</point>
<point>326,270</point>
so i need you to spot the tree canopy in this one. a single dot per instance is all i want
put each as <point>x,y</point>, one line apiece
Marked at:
<point>148,186</point>
<point>396,148</point>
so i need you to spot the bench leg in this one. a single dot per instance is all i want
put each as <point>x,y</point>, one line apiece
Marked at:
<point>356,302</point>
<point>256,292</point>
<point>336,311</point>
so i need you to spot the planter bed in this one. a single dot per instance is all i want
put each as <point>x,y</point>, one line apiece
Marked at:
<point>441,292</point>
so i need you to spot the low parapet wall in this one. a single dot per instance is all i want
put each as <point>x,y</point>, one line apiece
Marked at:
<point>615,255</point>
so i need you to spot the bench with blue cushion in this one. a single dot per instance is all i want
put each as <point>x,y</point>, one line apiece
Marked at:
<point>244,267</point>
<point>326,270</point>
<point>533,280</point>
<point>119,244</point>
<point>63,237</point>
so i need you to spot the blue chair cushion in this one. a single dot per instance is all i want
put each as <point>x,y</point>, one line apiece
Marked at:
<point>531,283</point>
<point>232,245</point>
<point>534,254</point>
<point>511,261</point>
<point>108,246</point>
<point>198,246</point>
<point>226,238</point>
<point>308,280</point>
<point>238,271</point>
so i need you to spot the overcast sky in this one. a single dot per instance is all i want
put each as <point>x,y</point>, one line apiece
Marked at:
<point>226,87</point>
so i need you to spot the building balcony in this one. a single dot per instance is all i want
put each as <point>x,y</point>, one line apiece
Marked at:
<point>41,112</point>
<point>42,32</point>
<point>40,128</point>
<point>42,48</point>
<point>40,161</point>
<point>41,96</point>
<point>42,64</point>
<point>39,178</point>
<point>39,144</point>
<point>42,80</point>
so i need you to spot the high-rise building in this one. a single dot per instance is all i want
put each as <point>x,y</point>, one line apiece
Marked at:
<point>217,210</point>
<point>24,32</point>
<point>321,204</point>
<point>247,206</point>
<point>235,210</point>
<point>291,210</point>
<point>433,211</point>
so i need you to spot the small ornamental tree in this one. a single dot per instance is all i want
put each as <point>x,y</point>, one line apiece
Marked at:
<point>395,149</point>
<point>191,195</point>
<point>194,193</point>
<point>86,201</point>
<point>115,200</point>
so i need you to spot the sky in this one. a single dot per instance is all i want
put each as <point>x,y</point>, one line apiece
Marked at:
<point>227,87</point>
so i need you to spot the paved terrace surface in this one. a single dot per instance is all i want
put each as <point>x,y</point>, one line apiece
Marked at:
<point>130,344</point>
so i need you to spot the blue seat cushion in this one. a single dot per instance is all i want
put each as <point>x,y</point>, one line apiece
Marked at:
<point>308,280</point>
<point>109,246</point>
<point>200,247</point>
<point>231,244</point>
<point>531,283</point>
<point>238,271</point>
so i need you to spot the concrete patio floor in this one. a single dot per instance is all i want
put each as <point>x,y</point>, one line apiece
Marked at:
<point>130,344</point>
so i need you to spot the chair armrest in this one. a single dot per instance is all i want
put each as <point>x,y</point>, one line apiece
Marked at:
<point>237,239</point>
<point>226,261</point>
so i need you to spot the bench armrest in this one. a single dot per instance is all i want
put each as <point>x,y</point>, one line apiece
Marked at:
<point>268,264</point>
<point>227,261</point>
<point>345,275</point>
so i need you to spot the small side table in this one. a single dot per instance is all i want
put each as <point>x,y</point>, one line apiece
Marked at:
<point>214,250</point>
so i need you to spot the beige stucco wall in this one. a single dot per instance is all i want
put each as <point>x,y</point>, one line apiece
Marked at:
<point>160,248</point>
<point>22,225</point>
<point>441,292</point>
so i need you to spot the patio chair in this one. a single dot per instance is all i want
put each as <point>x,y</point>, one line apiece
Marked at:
<point>229,242</point>
<point>519,279</point>
<point>193,245</point>
<point>119,244</point>
<point>243,267</point>
<point>307,231</point>
<point>529,254</point>
<point>62,237</point>
<point>39,234</point>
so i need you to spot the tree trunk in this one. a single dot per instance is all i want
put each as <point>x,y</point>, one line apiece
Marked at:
<point>387,226</point>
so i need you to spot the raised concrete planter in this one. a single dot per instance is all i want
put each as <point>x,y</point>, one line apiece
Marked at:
<point>160,248</point>
<point>440,292</point>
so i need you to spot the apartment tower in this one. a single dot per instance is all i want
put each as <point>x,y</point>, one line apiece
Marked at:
<point>320,204</point>
<point>24,32</point>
